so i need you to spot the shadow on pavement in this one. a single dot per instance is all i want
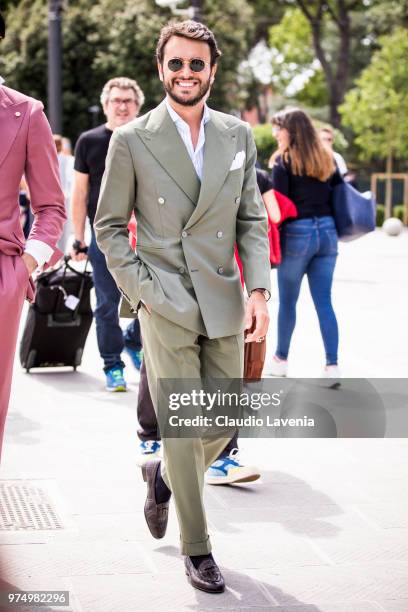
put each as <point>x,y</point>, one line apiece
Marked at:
<point>65,380</point>
<point>240,592</point>
<point>280,498</point>
<point>79,384</point>
<point>21,430</point>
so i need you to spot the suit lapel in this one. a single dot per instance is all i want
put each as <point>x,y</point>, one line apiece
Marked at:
<point>164,142</point>
<point>219,151</point>
<point>11,118</point>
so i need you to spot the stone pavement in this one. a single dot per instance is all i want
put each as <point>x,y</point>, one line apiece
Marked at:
<point>325,530</point>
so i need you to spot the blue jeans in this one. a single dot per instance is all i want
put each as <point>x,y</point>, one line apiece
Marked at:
<point>132,336</point>
<point>108,331</point>
<point>309,246</point>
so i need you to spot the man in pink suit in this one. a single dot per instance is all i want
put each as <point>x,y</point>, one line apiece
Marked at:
<point>26,147</point>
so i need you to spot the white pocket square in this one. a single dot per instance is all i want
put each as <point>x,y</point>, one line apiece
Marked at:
<point>238,160</point>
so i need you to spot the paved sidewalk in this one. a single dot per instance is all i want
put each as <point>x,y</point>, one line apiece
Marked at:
<point>325,530</point>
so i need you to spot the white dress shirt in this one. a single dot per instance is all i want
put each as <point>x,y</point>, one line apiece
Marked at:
<point>197,154</point>
<point>38,249</point>
<point>341,164</point>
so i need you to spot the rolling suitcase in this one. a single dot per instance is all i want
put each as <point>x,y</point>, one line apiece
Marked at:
<point>58,321</point>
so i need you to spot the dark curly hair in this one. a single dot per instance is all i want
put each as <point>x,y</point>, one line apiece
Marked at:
<point>187,29</point>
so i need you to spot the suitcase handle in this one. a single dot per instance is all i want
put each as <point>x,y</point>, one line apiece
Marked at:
<point>84,276</point>
<point>67,259</point>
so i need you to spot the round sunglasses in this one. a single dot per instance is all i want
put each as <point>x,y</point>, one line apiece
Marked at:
<point>196,65</point>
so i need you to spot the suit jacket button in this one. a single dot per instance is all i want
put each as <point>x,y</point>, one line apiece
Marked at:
<point>161,200</point>
<point>220,270</point>
<point>219,234</point>
<point>184,234</point>
<point>181,270</point>
<point>237,200</point>
<point>18,114</point>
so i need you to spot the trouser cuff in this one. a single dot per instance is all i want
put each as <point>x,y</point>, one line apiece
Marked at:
<point>117,364</point>
<point>144,437</point>
<point>196,548</point>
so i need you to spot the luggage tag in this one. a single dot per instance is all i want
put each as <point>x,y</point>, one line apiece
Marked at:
<point>71,301</point>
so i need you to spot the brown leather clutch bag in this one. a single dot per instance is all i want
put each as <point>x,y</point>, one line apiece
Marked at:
<point>254,359</point>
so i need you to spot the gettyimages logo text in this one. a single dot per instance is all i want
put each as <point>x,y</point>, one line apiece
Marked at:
<point>220,399</point>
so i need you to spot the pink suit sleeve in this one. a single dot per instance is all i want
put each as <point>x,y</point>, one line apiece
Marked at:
<point>42,175</point>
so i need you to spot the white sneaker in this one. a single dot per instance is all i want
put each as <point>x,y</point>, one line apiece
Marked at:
<point>333,373</point>
<point>278,367</point>
<point>149,449</point>
<point>228,470</point>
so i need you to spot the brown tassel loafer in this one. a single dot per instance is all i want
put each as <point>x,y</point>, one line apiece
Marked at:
<point>156,515</point>
<point>207,577</point>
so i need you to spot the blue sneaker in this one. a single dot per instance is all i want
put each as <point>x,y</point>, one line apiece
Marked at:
<point>148,450</point>
<point>115,380</point>
<point>228,470</point>
<point>136,356</point>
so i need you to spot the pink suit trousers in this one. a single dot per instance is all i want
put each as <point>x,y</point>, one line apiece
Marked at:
<point>26,148</point>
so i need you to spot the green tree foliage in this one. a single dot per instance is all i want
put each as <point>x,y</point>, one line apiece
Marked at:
<point>24,50</point>
<point>314,92</point>
<point>292,37</point>
<point>4,4</point>
<point>341,35</point>
<point>133,34</point>
<point>327,41</point>
<point>297,74</point>
<point>24,57</point>
<point>265,142</point>
<point>266,14</point>
<point>232,22</point>
<point>377,107</point>
<point>106,38</point>
<point>382,16</point>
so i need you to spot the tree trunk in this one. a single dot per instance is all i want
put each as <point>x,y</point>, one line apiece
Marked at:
<point>336,75</point>
<point>388,186</point>
<point>196,4</point>
<point>343,62</point>
<point>334,101</point>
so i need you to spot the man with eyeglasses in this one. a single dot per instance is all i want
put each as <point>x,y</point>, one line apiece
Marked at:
<point>121,100</point>
<point>327,137</point>
<point>188,173</point>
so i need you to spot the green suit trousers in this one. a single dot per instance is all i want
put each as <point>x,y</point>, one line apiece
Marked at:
<point>171,351</point>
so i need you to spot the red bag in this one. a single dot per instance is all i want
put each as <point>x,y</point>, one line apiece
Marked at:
<point>287,209</point>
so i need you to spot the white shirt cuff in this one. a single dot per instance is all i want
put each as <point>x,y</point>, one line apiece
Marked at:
<point>41,251</point>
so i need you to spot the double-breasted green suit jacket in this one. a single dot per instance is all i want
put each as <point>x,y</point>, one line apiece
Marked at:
<point>185,267</point>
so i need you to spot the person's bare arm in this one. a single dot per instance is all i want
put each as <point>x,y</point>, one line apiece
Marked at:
<point>272,206</point>
<point>79,209</point>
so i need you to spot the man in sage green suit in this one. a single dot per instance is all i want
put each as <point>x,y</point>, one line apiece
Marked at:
<point>188,173</point>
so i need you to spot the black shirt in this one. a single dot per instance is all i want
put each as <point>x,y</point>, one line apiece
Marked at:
<point>264,180</point>
<point>311,196</point>
<point>90,155</point>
